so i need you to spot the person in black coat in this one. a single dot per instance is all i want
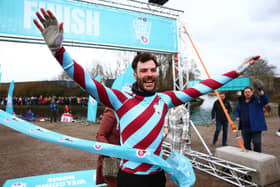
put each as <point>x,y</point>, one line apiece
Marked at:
<point>219,117</point>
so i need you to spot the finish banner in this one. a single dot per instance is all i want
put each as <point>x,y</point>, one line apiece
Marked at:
<point>91,24</point>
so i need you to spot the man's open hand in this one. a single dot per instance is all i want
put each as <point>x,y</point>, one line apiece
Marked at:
<point>51,30</point>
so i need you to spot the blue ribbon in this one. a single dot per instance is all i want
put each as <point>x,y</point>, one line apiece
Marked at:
<point>177,166</point>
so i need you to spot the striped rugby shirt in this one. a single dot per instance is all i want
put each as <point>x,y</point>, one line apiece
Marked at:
<point>141,118</point>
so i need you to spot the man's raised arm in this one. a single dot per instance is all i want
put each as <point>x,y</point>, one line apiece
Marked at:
<point>179,97</point>
<point>52,32</point>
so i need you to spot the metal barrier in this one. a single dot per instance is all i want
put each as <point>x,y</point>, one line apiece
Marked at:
<point>230,172</point>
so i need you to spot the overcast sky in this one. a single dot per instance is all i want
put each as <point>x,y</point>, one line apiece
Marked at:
<point>224,32</point>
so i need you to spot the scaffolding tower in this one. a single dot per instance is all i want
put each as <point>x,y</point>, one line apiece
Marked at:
<point>230,172</point>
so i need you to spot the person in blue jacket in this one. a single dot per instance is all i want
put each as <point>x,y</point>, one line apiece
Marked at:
<point>54,111</point>
<point>250,115</point>
<point>29,115</point>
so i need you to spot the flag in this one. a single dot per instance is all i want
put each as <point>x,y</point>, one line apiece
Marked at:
<point>92,105</point>
<point>9,105</point>
<point>123,83</point>
<point>125,80</point>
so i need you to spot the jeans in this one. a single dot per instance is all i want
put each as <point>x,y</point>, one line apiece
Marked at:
<point>255,137</point>
<point>54,116</point>
<point>219,125</point>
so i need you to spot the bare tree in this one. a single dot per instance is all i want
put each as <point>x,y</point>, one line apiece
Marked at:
<point>64,76</point>
<point>109,70</point>
<point>194,72</point>
<point>261,68</point>
<point>265,74</point>
<point>123,61</point>
<point>165,72</point>
<point>113,69</point>
<point>97,69</point>
<point>190,71</point>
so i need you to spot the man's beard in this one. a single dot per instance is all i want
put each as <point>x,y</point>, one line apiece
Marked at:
<point>140,83</point>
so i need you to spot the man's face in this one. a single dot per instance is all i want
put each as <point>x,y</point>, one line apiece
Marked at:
<point>223,96</point>
<point>248,93</point>
<point>146,76</point>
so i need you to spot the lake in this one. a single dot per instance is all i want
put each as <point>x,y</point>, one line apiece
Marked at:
<point>202,114</point>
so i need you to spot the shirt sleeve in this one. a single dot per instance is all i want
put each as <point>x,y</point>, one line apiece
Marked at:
<point>175,98</point>
<point>264,99</point>
<point>109,97</point>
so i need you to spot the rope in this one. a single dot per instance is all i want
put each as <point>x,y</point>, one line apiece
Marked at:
<point>232,125</point>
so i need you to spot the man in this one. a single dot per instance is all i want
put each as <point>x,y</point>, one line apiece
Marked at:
<point>54,111</point>
<point>29,115</point>
<point>249,114</point>
<point>140,113</point>
<point>219,116</point>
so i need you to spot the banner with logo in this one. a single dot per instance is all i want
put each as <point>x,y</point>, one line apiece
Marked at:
<point>9,105</point>
<point>125,80</point>
<point>77,178</point>
<point>89,23</point>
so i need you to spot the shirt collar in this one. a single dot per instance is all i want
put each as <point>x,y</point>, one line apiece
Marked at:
<point>140,93</point>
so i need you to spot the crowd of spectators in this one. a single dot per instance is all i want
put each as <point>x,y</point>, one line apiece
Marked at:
<point>34,100</point>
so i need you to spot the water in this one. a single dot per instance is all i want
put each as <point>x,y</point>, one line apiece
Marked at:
<point>202,113</point>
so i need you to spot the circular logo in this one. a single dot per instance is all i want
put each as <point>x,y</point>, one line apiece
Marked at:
<point>145,40</point>
<point>141,153</point>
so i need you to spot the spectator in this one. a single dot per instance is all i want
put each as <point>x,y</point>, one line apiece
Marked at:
<point>107,133</point>
<point>66,116</point>
<point>66,109</point>
<point>218,116</point>
<point>249,114</point>
<point>29,115</point>
<point>54,111</point>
